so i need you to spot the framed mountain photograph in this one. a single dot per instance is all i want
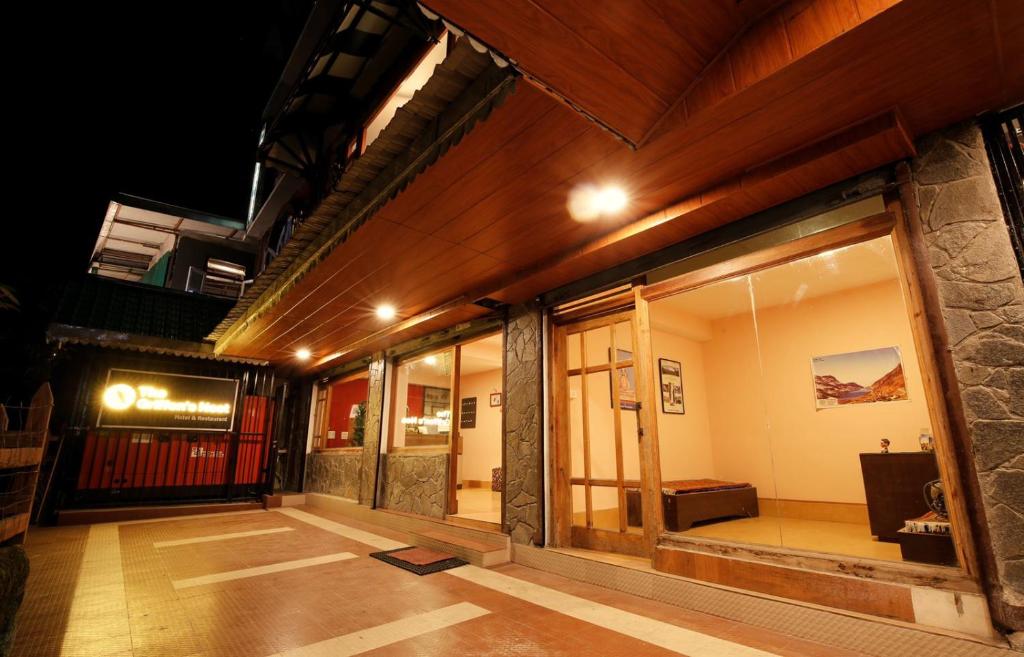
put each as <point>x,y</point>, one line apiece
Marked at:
<point>859,377</point>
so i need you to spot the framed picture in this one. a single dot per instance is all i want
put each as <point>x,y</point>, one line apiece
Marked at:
<point>671,378</point>
<point>495,399</point>
<point>858,377</point>
<point>626,381</point>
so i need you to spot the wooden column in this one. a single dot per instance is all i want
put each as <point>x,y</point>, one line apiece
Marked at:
<point>647,419</point>
<point>453,434</point>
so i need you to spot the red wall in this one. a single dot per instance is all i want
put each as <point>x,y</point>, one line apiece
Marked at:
<point>415,400</point>
<point>343,397</point>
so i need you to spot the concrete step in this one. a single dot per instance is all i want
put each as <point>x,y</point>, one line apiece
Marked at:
<point>485,552</point>
<point>129,513</point>
<point>278,500</point>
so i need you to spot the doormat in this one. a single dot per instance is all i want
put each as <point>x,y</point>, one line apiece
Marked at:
<point>419,560</point>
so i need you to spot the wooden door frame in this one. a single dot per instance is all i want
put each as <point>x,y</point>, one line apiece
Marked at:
<point>455,404</point>
<point>564,533</point>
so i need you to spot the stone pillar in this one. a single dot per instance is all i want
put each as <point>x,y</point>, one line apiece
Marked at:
<point>372,437</point>
<point>982,303</point>
<point>523,417</point>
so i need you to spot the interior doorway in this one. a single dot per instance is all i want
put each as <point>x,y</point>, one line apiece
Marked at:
<point>599,501</point>
<point>478,480</point>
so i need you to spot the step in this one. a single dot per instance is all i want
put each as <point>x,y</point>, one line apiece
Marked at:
<point>479,553</point>
<point>128,513</point>
<point>278,500</point>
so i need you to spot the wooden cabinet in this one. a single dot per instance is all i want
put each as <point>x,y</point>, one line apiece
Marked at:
<point>894,487</point>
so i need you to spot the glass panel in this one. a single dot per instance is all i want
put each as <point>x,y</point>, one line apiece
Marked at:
<point>579,508</point>
<point>841,374</point>
<point>422,414</point>
<point>711,413</point>
<point>598,342</point>
<point>575,427</point>
<point>606,508</point>
<point>346,415</point>
<point>572,348</point>
<point>602,427</point>
<point>623,342</point>
<point>479,432</point>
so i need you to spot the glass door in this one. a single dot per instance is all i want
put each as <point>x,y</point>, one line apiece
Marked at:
<point>600,503</point>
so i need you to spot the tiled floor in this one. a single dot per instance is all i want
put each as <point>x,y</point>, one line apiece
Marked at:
<point>301,585</point>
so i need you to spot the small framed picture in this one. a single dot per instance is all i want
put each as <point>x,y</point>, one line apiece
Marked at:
<point>495,399</point>
<point>671,372</point>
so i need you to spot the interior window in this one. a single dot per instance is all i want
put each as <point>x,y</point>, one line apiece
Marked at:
<point>792,411</point>
<point>423,401</point>
<point>346,411</point>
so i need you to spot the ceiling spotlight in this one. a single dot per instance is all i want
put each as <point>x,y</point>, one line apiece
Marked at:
<point>303,354</point>
<point>430,360</point>
<point>588,202</point>
<point>386,311</point>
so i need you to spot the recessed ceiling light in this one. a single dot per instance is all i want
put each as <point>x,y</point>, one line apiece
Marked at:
<point>303,354</point>
<point>588,202</point>
<point>386,311</point>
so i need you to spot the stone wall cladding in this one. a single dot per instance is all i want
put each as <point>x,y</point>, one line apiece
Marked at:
<point>982,301</point>
<point>415,483</point>
<point>523,417</point>
<point>371,440</point>
<point>334,473</point>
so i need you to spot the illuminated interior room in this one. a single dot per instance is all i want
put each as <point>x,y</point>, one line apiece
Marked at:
<point>792,378</point>
<point>478,487</point>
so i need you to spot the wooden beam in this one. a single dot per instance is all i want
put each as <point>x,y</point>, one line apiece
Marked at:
<point>561,491</point>
<point>851,233</point>
<point>648,392</point>
<point>938,374</point>
<point>453,433</point>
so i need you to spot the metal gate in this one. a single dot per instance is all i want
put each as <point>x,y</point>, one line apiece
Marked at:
<point>1004,141</point>
<point>121,466</point>
<point>126,466</point>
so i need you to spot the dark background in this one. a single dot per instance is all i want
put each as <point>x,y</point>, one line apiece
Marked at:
<point>157,99</point>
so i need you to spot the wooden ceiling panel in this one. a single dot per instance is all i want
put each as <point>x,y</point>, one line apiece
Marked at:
<point>490,217</point>
<point>625,33</point>
<point>515,118</point>
<point>473,202</point>
<point>556,55</point>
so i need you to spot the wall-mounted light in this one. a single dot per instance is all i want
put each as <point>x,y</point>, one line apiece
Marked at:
<point>588,202</point>
<point>386,311</point>
<point>303,354</point>
<point>430,360</point>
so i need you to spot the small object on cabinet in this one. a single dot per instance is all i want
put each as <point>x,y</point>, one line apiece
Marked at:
<point>885,445</point>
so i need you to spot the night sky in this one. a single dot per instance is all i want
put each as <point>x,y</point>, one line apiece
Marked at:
<point>160,100</point>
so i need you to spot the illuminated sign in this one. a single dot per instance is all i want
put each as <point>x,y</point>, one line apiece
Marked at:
<point>150,400</point>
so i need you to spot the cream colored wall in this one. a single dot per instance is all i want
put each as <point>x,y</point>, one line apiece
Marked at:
<point>768,423</point>
<point>684,440</point>
<point>481,446</point>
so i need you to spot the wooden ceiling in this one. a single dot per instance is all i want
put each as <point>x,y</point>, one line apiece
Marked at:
<point>625,63</point>
<point>813,92</point>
